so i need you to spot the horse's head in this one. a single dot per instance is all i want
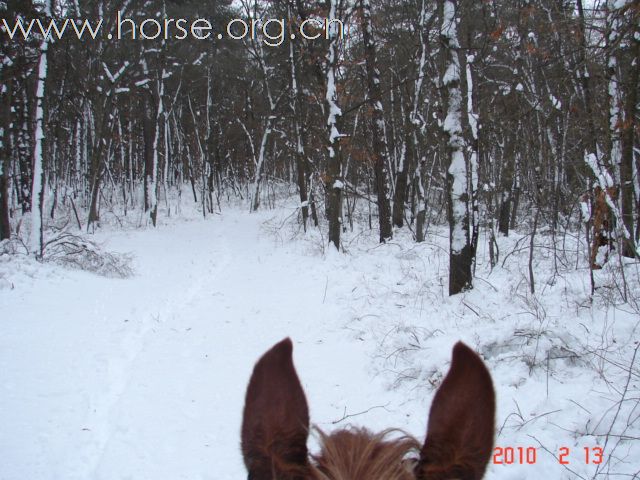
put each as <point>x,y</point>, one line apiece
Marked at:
<point>275,428</point>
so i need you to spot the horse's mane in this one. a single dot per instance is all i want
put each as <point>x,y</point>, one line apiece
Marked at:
<point>358,454</point>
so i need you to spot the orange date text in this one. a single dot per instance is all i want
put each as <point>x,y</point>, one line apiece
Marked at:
<point>564,455</point>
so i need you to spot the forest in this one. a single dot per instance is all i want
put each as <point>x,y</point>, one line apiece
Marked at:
<point>441,169</point>
<point>483,115</point>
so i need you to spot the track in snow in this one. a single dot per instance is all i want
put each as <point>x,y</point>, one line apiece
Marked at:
<point>144,378</point>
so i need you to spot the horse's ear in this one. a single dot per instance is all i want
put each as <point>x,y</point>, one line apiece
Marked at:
<point>461,422</point>
<point>275,423</point>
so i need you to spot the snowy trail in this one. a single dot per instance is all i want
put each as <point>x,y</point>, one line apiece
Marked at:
<point>144,378</point>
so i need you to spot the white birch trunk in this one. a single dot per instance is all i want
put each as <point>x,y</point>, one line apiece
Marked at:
<point>257,179</point>
<point>335,182</point>
<point>36,239</point>
<point>152,192</point>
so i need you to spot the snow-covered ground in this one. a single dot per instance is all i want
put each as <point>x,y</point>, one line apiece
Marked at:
<point>144,377</point>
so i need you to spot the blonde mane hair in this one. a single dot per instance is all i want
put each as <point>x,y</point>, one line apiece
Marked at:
<point>358,454</point>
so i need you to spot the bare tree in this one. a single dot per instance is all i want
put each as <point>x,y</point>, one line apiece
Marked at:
<point>335,181</point>
<point>378,141</point>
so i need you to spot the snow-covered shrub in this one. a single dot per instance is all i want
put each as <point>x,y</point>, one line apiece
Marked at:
<point>74,251</point>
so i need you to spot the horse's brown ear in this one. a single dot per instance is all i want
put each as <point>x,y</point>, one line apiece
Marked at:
<point>275,423</point>
<point>461,422</point>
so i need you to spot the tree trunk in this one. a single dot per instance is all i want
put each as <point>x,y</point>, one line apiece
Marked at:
<point>299,142</point>
<point>257,180</point>
<point>334,184</point>
<point>399,198</point>
<point>5,157</point>
<point>23,150</point>
<point>461,252</point>
<point>148,133</point>
<point>506,192</point>
<point>37,192</point>
<point>627,141</point>
<point>418,180</point>
<point>377,124</point>
<point>96,177</point>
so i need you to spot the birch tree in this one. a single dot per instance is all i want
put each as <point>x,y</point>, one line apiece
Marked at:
<point>267,128</point>
<point>6,92</point>
<point>36,240</point>
<point>334,181</point>
<point>415,124</point>
<point>459,171</point>
<point>5,154</point>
